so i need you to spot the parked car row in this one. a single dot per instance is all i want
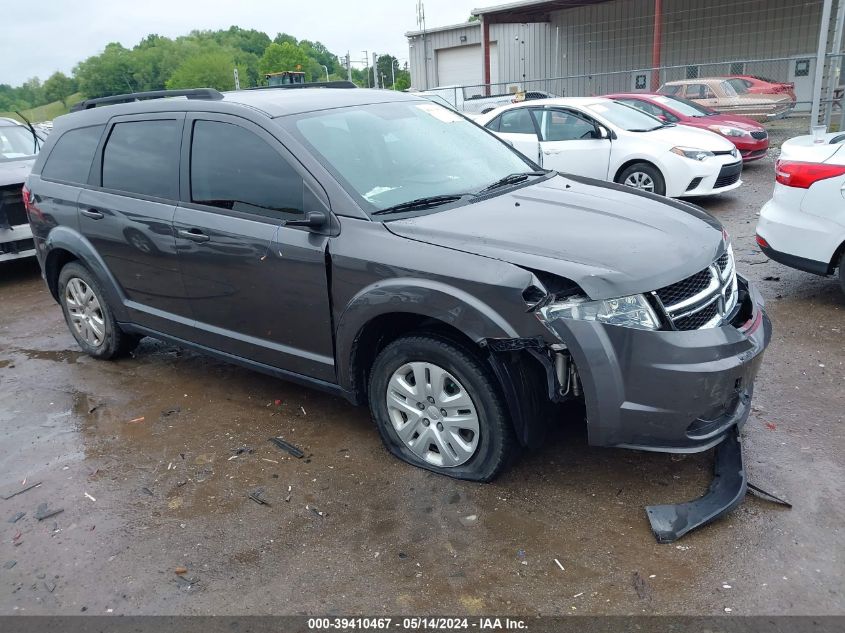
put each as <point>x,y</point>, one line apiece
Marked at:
<point>19,146</point>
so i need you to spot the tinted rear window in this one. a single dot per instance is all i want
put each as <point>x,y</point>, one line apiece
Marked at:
<point>143,157</point>
<point>70,160</point>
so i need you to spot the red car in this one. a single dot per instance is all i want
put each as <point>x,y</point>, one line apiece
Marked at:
<point>745,84</point>
<point>750,138</point>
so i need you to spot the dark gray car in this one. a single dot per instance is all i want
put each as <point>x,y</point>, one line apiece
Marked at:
<point>382,247</point>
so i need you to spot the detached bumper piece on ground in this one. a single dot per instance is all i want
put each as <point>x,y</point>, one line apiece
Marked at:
<point>670,522</point>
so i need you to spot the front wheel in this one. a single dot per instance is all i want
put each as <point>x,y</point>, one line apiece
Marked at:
<point>437,407</point>
<point>89,317</point>
<point>644,177</point>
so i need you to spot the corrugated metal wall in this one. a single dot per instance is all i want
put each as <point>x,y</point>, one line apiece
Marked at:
<point>617,36</point>
<point>419,49</point>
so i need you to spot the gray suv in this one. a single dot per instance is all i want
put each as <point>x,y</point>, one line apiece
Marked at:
<point>381,247</point>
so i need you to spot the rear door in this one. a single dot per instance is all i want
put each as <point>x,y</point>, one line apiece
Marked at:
<point>517,127</point>
<point>571,142</point>
<point>127,214</point>
<point>258,289</point>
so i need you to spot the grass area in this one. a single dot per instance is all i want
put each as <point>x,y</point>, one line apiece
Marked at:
<point>46,112</point>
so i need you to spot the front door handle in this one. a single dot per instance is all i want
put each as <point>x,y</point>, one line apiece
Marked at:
<point>92,213</point>
<point>195,235</point>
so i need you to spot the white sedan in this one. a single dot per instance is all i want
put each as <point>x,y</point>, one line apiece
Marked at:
<point>803,225</point>
<point>607,140</point>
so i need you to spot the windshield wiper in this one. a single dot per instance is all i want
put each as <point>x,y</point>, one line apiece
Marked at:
<point>512,179</point>
<point>420,203</point>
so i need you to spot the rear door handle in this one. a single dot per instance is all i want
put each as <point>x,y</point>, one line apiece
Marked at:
<point>92,213</point>
<point>195,235</point>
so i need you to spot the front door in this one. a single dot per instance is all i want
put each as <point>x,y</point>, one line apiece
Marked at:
<point>128,217</point>
<point>572,143</point>
<point>258,289</point>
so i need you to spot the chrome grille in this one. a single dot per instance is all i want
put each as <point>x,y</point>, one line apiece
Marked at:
<point>704,299</point>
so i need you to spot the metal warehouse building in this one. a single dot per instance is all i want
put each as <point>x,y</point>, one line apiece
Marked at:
<point>590,47</point>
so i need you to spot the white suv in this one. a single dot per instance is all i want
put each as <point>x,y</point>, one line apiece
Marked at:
<point>803,225</point>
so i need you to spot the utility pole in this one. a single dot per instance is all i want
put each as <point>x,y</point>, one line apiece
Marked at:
<point>393,63</point>
<point>326,68</point>
<point>367,66</point>
<point>348,67</point>
<point>375,70</point>
<point>421,25</point>
<point>237,80</point>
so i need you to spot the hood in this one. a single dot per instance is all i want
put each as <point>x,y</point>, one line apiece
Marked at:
<point>741,122</point>
<point>804,148</point>
<point>13,172</point>
<point>610,240</point>
<point>686,136</point>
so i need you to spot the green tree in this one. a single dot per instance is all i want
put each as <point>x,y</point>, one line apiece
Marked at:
<point>388,66</point>
<point>108,73</point>
<point>281,38</point>
<point>213,69</point>
<point>281,57</point>
<point>58,87</point>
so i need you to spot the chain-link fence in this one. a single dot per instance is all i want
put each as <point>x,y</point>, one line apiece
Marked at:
<point>747,57</point>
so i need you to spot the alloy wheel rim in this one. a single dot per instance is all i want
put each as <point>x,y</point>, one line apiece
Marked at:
<point>85,311</point>
<point>433,414</point>
<point>640,180</point>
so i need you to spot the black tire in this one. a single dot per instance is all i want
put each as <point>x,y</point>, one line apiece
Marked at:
<point>495,443</point>
<point>842,271</point>
<point>650,170</point>
<point>114,342</point>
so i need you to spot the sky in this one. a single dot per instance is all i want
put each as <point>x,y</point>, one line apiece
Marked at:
<point>35,42</point>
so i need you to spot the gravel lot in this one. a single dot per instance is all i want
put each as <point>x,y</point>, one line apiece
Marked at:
<point>363,533</point>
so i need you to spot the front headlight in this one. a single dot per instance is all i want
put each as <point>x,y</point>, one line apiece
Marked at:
<point>727,130</point>
<point>633,311</point>
<point>692,152</point>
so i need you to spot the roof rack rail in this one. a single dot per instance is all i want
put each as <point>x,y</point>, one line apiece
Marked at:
<point>191,93</point>
<point>343,83</point>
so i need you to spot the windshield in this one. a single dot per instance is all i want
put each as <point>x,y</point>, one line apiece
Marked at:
<point>728,89</point>
<point>388,154</point>
<point>625,117</point>
<point>437,99</point>
<point>16,142</point>
<point>684,106</point>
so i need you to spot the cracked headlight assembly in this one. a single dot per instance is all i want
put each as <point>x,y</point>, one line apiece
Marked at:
<point>634,311</point>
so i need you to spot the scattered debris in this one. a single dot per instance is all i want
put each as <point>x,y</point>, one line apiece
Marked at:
<point>277,402</point>
<point>469,519</point>
<point>771,278</point>
<point>303,410</point>
<point>272,461</point>
<point>769,496</point>
<point>243,449</point>
<point>726,586</point>
<point>49,586</point>
<point>17,517</point>
<point>285,446</point>
<point>232,457</point>
<point>771,426</point>
<point>171,411</point>
<point>728,609</point>
<point>520,553</point>
<point>22,490</point>
<point>641,586</point>
<point>180,570</point>
<point>403,555</point>
<point>315,511</point>
<point>257,495</point>
<point>90,497</point>
<point>9,564</point>
<point>578,595</point>
<point>136,420</point>
<point>45,512</point>
<point>287,499</point>
<point>683,548</point>
<point>147,491</point>
<point>557,562</point>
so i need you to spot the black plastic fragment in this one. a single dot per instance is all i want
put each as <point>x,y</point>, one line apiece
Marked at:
<point>768,495</point>
<point>670,522</point>
<point>22,490</point>
<point>45,512</point>
<point>285,446</point>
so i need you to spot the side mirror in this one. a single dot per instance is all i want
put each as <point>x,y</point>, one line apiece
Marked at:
<point>312,220</point>
<point>602,132</point>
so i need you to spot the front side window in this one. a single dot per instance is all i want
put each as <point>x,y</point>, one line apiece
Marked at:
<point>233,168</point>
<point>387,154</point>
<point>684,106</point>
<point>142,157</point>
<point>650,108</point>
<point>559,125</point>
<point>625,117</point>
<point>517,121</point>
<point>17,141</point>
<point>739,85</point>
<point>70,160</point>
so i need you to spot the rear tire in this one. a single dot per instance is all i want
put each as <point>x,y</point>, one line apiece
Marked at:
<point>413,382</point>
<point>842,271</point>
<point>644,177</point>
<point>89,318</point>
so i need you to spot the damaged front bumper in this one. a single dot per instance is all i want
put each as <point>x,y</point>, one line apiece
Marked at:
<point>670,522</point>
<point>673,391</point>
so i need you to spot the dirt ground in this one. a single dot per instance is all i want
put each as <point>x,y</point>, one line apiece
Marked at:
<point>350,530</point>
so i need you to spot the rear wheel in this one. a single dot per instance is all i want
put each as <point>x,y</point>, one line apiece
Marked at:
<point>842,271</point>
<point>437,407</point>
<point>644,177</point>
<point>89,317</point>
